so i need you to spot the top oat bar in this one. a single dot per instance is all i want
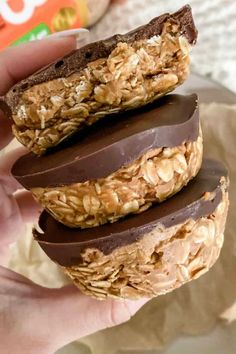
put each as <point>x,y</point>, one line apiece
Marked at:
<point>105,77</point>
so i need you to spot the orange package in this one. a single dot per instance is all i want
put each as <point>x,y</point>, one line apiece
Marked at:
<point>25,20</point>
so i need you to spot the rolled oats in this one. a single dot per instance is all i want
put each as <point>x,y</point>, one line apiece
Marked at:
<point>132,189</point>
<point>149,267</point>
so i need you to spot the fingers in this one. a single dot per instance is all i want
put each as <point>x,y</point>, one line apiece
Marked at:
<point>5,131</point>
<point>85,315</point>
<point>6,162</point>
<point>35,310</point>
<point>14,213</point>
<point>10,218</point>
<point>28,208</point>
<point>24,203</point>
<point>20,331</point>
<point>19,62</point>
<point>16,208</point>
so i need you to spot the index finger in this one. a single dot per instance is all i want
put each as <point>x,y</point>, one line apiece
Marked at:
<point>19,62</point>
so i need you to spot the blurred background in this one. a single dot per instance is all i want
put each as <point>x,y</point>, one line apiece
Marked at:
<point>214,56</point>
<point>215,53</point>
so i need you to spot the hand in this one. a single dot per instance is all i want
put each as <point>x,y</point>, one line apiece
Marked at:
<point>34,319</point>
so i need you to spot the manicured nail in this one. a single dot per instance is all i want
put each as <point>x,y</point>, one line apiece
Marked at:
<point>82,35</point>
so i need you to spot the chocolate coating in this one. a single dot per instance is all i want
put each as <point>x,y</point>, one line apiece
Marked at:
<point>78,59</point>
<point>112,143</point>
<point>64,245</point>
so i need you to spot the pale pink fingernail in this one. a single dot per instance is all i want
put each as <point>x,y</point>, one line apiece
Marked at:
<point>82,36</point>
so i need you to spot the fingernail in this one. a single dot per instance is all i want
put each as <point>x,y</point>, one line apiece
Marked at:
<point>82,36</point>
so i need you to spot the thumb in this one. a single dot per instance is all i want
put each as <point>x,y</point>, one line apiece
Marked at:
<point>82,314</point>
<point>41,320</point>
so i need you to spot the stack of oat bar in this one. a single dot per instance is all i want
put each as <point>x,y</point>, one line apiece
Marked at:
<point>110,157</point>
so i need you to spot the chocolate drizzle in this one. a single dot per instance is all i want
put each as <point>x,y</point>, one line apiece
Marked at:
<point>112,143</point>
<point>64,245</point>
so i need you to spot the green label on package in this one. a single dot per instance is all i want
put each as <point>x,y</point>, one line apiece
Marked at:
<point>39,32</point>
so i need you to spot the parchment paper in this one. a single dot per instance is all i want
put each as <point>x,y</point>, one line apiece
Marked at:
<point>193,309</point>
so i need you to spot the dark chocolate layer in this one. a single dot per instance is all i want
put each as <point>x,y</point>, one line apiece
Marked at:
<point>78,59</point>
<point>112,143</point>
<point>64,245</point>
